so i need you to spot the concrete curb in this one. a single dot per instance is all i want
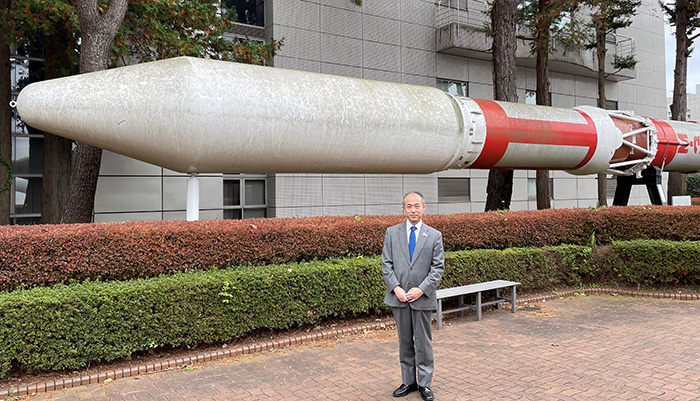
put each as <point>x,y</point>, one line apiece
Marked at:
<point>289,342</point>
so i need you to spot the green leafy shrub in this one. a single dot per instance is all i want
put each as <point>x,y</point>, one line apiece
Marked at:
<point>653,262</point>
<point>693,184</point>
<point>44,255</point>
<point>67,326</point>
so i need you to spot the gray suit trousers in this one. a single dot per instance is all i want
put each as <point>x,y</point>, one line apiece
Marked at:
<point>415,345</point>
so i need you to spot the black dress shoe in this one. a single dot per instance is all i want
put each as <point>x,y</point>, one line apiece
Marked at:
<point>426,393</point>
<point>405,389</point>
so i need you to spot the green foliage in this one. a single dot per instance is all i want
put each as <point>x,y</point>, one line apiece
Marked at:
<point>624,63</point>
<point>534,268</point>
<point>154,30</point>
<point>609,15</point>
<point>547,19</point>
<point>693,183</point>
<point>690,12</point>
<point>151,30</point>
<point>654,262</point>
<point>68,326</point>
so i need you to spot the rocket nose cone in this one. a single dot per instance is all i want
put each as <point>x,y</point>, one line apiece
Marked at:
<point>29,105</point>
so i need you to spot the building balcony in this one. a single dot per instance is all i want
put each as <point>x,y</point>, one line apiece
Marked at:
<point>461,31</point>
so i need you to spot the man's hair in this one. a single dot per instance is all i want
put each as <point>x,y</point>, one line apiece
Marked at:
<point>414,192</point>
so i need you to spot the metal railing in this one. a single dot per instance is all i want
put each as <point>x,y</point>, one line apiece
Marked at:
<point>471,13</point>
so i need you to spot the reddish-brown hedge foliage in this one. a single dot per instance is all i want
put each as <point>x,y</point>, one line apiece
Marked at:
<point>48,254</point>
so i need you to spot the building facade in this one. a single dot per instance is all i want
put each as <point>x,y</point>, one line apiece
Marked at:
<point>434,43</point>
<point>693,106</point>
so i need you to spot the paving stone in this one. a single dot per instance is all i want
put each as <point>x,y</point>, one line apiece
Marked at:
<point>580,348</point>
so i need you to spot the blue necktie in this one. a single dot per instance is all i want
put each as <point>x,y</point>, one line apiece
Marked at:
<point>412,242</point>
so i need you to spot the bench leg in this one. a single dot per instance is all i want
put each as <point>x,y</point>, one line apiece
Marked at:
<point>478,305</point>
<point>439,315</point>
<point>513,307</point>
<point>498,296</point>
<point>461,304</point>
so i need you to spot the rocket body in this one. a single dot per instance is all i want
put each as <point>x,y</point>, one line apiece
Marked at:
<point>198,116</point>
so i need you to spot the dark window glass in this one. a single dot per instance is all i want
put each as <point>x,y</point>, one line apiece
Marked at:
<point>611,104</point>
<point>232,214</point>
<point>27,195</point>
<point>254,213</point>
<point>254,192</point>
<point>232,193</point>
<point>27,155</point>
<point>453,189</point>
<point>251,12</point>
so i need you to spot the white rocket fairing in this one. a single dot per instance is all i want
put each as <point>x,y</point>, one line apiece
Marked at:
<point>197,116</point>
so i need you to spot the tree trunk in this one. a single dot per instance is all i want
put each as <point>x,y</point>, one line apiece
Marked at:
<point>676,181</point>
<point>56,178</point>
<point>602,189</point>
<point>601,51</point>
<point>499,189</point>
<point>542,68</point>
<point>57,150</point>
<point>5,125</point>
<point>98,32</point>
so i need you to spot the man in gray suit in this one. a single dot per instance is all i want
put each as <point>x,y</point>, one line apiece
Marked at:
<point>412,265</point>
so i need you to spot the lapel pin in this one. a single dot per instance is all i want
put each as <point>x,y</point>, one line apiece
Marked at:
<point>425,235</point>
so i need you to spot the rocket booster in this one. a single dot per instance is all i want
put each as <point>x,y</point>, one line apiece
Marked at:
<point>204,116</point>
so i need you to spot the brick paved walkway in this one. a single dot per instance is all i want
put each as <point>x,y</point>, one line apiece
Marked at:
<point>581,348</point>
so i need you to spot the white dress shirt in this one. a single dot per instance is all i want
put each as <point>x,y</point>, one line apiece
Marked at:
<point>419,225</point>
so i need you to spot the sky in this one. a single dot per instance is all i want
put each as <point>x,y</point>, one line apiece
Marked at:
<point>693,64</point>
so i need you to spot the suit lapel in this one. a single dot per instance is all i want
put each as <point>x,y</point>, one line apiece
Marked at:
<point>422,236</point>
<point>403,241</point>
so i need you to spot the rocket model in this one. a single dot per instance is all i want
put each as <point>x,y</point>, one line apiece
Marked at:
<point>203,116</point>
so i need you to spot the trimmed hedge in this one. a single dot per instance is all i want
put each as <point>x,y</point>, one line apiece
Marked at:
<point>653,262</point>
<point>67,326</point>
<point>48,254</point>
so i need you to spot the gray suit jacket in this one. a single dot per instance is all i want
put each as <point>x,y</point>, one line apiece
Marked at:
<point>424,272</point>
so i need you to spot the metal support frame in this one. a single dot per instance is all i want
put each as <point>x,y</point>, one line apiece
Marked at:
<point>192,198</point>
<point>651,177</point>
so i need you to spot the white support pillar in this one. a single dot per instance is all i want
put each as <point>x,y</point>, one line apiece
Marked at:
<point>192,198</point>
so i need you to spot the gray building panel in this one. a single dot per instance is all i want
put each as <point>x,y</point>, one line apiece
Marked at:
<point>379,75</point>
<point>381,56</point>
<point>381,30</point>
<point>383,8</point>
<point>341,22</point>
<point>341,50</point>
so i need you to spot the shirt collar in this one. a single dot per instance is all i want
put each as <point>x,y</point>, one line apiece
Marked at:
<point>419,225</point>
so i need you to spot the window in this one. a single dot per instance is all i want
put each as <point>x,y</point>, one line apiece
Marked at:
<point>530,97</point>
<point>250,12</point>
<point>27,144</point>
<point>532,188</point>
<point>454,87</point>
<point>453,189</point>
<point>611,104</point>
<point>245,196</point>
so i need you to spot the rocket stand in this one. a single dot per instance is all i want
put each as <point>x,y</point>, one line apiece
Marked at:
<point>651,177</point>
<point>192,198</point>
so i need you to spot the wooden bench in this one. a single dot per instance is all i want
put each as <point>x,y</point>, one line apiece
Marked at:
<point>477,289</point>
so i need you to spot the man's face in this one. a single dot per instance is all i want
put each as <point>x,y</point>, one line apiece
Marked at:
<point>413,208</point>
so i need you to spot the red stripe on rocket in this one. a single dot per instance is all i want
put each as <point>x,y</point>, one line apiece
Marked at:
<point>679,146</point>
<point>567,141</point>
